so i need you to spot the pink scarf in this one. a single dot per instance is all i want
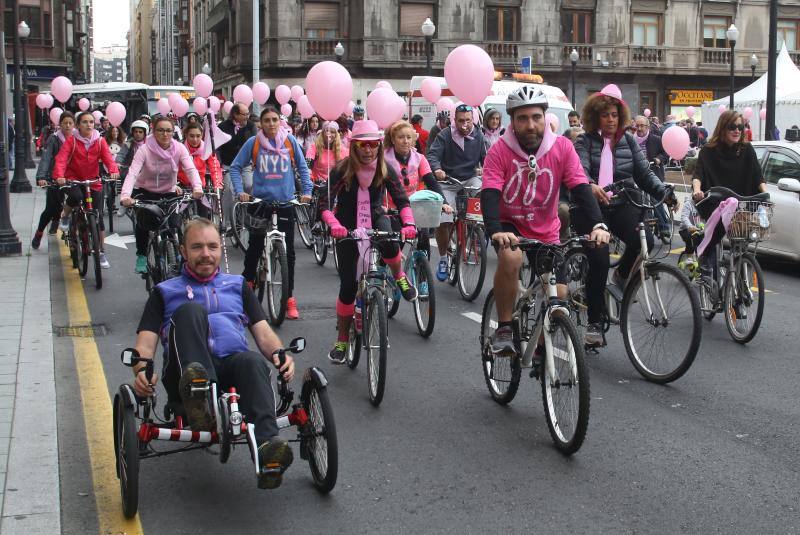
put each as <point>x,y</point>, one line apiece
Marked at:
<point>87,142</point>
<point>411,168</point>
<point>642,141</point>
<point>198,150</point>
<point>61,137</point>
<point>492,136</point>
<point>548,140</point>
<point>606,176</point>
<point>723,212</point>
<point>266,145</point>
<point>458,138</point>
<point>170,154</point>
<point>366,173</point>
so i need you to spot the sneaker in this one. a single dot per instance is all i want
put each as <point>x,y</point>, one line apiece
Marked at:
<point>339,353</point>
<point>291,309</point>
<point>503,341</point>
<point>104,261</point>
<point>274,457</point>
<point>408,291</point>
<point>141,264</point>
<point>37,240</point>
<point>195,402</point>
<point>63,224</point>
<point>593,337</point>
<point>53,227</point>
<point>441,271</point>
<point>423,289</point>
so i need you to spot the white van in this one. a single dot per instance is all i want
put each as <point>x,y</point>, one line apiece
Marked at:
<point>558,103</point>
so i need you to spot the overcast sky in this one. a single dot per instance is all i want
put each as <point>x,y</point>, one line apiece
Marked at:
<point>111,22</point>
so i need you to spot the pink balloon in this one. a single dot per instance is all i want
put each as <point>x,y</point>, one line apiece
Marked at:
<point>48,100</point>
<point>747,113</point>
<point>283,94</point>
<point>203,84</point>
<point>55,115</point>
<point>83,104</point>
<point>200,106</point>
<point>647,112</point>
<point>383,84</point>
<point>297,92</point>
<point>61,88</point>
<point>41,101</point>
<point>431,90</point>
<point>382,107</point>
<point>260,93</point>
<point>348,110</point>
<point>722,108</point>
<point>243,94</point>
<point>329,89</point>
<point>286,109</point>
<point>97,114</point>
<point>163,105</point>
<point>181,107</point>
<point>690,111</point>
<point>305,108</point>
<point>173,99</point>
<point>469,72</point>
<point>445,104</point>
<point>214,104</point>
<point>676,142</point>
<point>552,119</point>
<point>762,113</point>
<point>227,107</point>
<point>115,113</point>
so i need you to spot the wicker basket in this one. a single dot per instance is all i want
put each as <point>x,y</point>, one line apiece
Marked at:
<point>751,221</point>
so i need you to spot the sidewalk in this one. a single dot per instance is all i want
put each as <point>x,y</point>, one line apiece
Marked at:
<point>29,469</point>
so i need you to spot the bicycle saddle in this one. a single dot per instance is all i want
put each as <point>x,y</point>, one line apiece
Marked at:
<point>725,193</point>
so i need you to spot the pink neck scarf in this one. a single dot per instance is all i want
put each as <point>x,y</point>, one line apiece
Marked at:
<point>61,137</point>
<point>87,142</point>
<point>411,166</point>
<point>266,145</point>
<point>170,155</point>
<point>366,173</point>
<point>548,140</point>
<point>606,175</point>
<point>642,141</point>
<point>458,138</point>
<point>198,278</point>
<point>198,150</point>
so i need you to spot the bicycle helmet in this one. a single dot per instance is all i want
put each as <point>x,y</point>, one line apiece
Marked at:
<point>140,124</point>
<point>526,96</point>
<point>358,109</point>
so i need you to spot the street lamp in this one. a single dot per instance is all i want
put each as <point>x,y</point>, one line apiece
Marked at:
<point>428,29</point>
<point>206,69</point>
<point>753,64</point>
<point>20,182</point>
<point>573,58</point>
<point>339,51</point>
<point>733,35</point>
<point>226,61</point>
<point>25,32</point>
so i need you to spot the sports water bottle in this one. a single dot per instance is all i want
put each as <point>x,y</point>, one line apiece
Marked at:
<point>359,303</point>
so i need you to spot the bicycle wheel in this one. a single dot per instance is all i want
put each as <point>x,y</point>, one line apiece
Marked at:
<point>377,336</point>
<point>391,292</point>
<point>277,284</point>
<point>322,445</point>
<point>126,448</point>
<point>353,354</point>
<point>575,269</point>
<point>154,273</point>
<point>615,249</point>
<point>743,299</point>
<point>705,295</point>
<point>452,255</point>
<point>94,241</point>
<point>171,256</point>
<point>240,235</point>
<point>425,305</point>
<point>565,388</point>
<point>304,225</point>
<point>320,244</point>
<point>261,277</point>
<point>74,244</point>
<point>335,254</point>
<point>472,263</point>
<point>86,247</point>
<point>660,322</point>
<point>110,194</point>
<point>502,373</point>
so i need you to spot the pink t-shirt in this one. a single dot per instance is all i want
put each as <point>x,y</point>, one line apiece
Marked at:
<point>324,163</point>
<point>529,198</point>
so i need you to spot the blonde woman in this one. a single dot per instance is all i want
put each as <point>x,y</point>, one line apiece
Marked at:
<point>326,152</point>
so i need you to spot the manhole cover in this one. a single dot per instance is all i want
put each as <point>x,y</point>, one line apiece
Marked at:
<point>81,331</point>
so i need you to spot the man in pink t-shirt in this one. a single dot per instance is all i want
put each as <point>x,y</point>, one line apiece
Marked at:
<point>522,175</point>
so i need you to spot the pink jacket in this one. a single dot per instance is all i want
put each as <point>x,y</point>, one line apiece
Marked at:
<point>529,198</point>
<point>150,173</point>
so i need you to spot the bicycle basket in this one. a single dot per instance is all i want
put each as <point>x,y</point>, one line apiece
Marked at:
<point>751,221</point>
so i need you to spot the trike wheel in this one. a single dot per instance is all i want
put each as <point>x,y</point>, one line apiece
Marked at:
<point>225,429</point>
<point>126,448</point>
<point>322,445</point>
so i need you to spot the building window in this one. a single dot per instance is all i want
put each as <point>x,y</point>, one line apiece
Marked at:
<point>502,23</point>
<point>787,33</point>
<point>37,17</point>
<point>412,15</point>
<point>646,29</point>
<point>321,20</point>
<point>576,26</point>
<point>714,29</point>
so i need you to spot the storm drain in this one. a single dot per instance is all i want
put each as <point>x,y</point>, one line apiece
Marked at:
<point>81,331</point>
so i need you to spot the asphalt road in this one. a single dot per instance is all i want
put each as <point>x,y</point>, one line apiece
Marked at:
<point>717,451</point>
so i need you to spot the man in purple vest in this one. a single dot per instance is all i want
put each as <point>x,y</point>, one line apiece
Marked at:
<point>200,318</point>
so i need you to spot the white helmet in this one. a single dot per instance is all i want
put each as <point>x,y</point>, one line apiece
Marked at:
<point>526,96</point>
<point>140,124</point>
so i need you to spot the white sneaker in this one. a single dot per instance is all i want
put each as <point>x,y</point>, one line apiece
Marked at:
<point>63,224</point>
<point>104,261</point>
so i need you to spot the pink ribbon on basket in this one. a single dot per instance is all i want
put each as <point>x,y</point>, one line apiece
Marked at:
<point>723,212</point>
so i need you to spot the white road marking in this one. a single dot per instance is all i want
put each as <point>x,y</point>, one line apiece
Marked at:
<point>119,241</point>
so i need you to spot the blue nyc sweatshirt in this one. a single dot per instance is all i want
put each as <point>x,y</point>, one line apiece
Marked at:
<point>273,174</point>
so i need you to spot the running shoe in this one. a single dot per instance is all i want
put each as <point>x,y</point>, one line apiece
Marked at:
<point>291,309</point>
<point>104,261</point>
<point>408,291</point>
<point>141,264</point>
<point>503,341</point>
<point>338,353</point>
<point>441,271</point>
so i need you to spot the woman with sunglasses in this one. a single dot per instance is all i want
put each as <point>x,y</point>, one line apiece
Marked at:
<point>153,175</point>
<point>358,186</point>
<point>729,161</point>
<point>326,151</point>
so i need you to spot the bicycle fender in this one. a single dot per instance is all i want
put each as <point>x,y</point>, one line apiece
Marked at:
<point>316,376</point>
<point>128,396</point>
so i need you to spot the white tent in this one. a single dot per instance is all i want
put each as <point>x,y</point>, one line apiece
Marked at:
<point>787,99</point>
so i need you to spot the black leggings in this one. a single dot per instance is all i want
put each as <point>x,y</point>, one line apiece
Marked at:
<point>52,208</point>
<point>347,252</point>
<point>145,222</point>
<point>255,247</point>
<point>247,371</point>
<point>75,196</point>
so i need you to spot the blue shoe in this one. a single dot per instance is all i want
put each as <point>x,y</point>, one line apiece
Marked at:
<point>423,289</point>
<point>441,271</point>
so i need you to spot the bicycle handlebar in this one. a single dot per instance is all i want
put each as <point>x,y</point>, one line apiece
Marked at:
<point>627,185</point>
<point>721,193</point>
<point>138,203</point>
<point>273,204</point>
<point>373,235</point>
<point>529,243</point>
<point>456,182</point>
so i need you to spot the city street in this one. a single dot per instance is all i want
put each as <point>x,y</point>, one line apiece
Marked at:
<point>714,452</point>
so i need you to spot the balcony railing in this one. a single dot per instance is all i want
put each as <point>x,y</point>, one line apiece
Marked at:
<point>318,48</point>
<point>584,53</point>
<point>413,50</point>
<point>716,56</point>
<point>503,51</point>
<point>647,55</point>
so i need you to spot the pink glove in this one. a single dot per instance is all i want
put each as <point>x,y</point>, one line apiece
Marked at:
<point>338,231</point>
<point>408,233</point>
<point>407,216</point>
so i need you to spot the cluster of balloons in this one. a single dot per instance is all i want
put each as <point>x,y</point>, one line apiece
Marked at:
<point>61,88</point>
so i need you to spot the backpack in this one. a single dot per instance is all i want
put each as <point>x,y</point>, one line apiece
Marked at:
<point>288,144</point>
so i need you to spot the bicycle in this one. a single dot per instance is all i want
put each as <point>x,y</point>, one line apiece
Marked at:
<point>370,326</point>
<point>320,234</point>
<point>663,342</point>
<point>303,214</point>
<point>83,237</point>
<point>111,188</point>
<point>559,362</point>
<point>736,286</point>
<point>466,246</point>
<point>272,273</point>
